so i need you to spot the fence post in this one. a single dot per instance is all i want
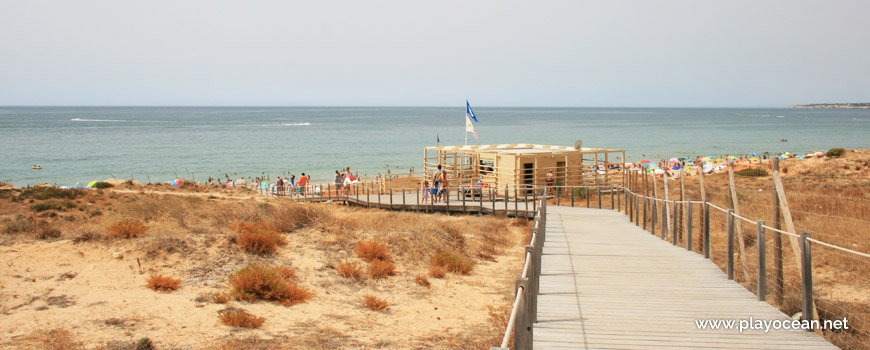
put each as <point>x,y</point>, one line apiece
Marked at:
<point>777,241</point>
<point>480,202</point>
<point>391,198</point>
<point>664,219</point>
<point>689,227</point>
<point>612,207</point>
<point>762,262</point>
<point>558,195</point>
<point>644,213</point>
<point>521,329</point>
<point>368,196</point>
<point>652,219</point>
<point>730,264</point>
<point>806,278</point>
<point>447,198</point>
<point>706,230</point>
<point>526,198</point>
<point>533,283</point>
<point>598,191</point>
<point>516,200</point>
<point>586,191</point>
<point>631,208</point>
<point>618,201</point>
<point>534,200</point>
<point>463,198</point>
<point>506,200</point>
<point>676,222</point>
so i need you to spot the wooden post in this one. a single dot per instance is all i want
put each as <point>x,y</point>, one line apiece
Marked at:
<point>706,230</point>
<point>666,213</point>
<point>807,304</point>
<point>741,248</point>
<point>612,190</point>
<point>689,227</point>
<point>682,214</point>
<point>598,193</point>
<point>762,262</point>
<point>704,216</point>
<point>786,214</point>
<point>463,199</point>
<point>676,222</point>
<point>777,242</point>
<point>664,218</point>
<point>653,217</point>
<point>506,200</point>
<point>391,198</point>
<point>586,192</point>
<point>730,264</point>
<point>644,213</point>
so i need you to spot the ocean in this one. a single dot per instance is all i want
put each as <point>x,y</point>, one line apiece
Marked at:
<point>157,144</point>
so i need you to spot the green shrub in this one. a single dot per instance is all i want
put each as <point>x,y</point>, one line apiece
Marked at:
<point>581,192</point>
<point>103,185</point>
<point>752,172</point>
<point>51,192</point>
<point>836,152</point>
<point>52,205</point>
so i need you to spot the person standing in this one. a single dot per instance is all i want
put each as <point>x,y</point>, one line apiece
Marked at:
<point>303,181</point>
<point>437,177</point>
<point>550,178</point>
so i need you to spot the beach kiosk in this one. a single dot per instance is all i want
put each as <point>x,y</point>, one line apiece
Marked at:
<point>525,164</point>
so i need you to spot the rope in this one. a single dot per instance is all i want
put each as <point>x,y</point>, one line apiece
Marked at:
<point>847,250</point>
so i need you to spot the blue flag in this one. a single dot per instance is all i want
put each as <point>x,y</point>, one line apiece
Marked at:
<point>469,112</point>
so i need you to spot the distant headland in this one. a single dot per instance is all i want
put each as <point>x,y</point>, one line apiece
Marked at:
<point>834,106</point>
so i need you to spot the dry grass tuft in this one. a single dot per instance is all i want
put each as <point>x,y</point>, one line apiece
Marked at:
<point>374,303</point>
<point>258,238</point>
<point>349,270</point>
<point>381,269</point>
<point>437,272</point>
<point>220,298</point>
<point>255,282</point>
<point>163,283</point>
<point>423,281</point>
<point>285,272</point>
<point>451,262</point>
<point>373,250</point>
<point>127,229</point>
<point>57,339</point>
<point>241,318</point>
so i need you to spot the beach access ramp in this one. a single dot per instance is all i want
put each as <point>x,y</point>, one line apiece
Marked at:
<point>608,284</point>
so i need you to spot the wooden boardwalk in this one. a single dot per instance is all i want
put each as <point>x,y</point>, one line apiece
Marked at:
<point>607,284</point>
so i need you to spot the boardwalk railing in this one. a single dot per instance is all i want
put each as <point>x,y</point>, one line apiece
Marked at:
<point>525,308</point>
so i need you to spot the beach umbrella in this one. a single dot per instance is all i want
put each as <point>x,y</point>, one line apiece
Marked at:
<point>645,165</point>
<point>707,159</point>
<point>753,154</point>
<point>673,160</point>
<point>91,184</point>
<point>753,159</point>
<point>730,157</point>
<point>644,162</point>
<point>173,183</point>
<point>229,183</point>
<point>720,160</point>
<point>676,167</point>
<point>264,184</point>
<point>799,156</point>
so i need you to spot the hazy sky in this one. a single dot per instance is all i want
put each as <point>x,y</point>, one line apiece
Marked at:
<point>434,53</point>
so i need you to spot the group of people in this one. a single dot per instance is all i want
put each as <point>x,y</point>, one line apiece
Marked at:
<point>288,185</point>
<point>344,178</point>
<point>439,186</point>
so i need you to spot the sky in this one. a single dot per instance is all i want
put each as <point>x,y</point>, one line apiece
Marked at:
<point>434,53</point>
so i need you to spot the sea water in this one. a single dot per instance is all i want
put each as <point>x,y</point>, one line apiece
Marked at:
<point>156,144</point>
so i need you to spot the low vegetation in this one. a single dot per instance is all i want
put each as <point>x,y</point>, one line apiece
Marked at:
<point>240,318</point>
<point>257,282</point>
<point>752,172</point>
<point>452,262</point>
<point>381,269</point>
<point>258,238</point>
<point>836,152</point>
<point>53,205</point>
<point>373,250</point>
<point>163,283</point>
<point>349,270</point>
<point>374,303</point>
<point>222,248</point>
<point>127,229</point>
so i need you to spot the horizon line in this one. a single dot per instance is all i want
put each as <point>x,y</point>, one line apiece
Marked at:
<point>400,106</point>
